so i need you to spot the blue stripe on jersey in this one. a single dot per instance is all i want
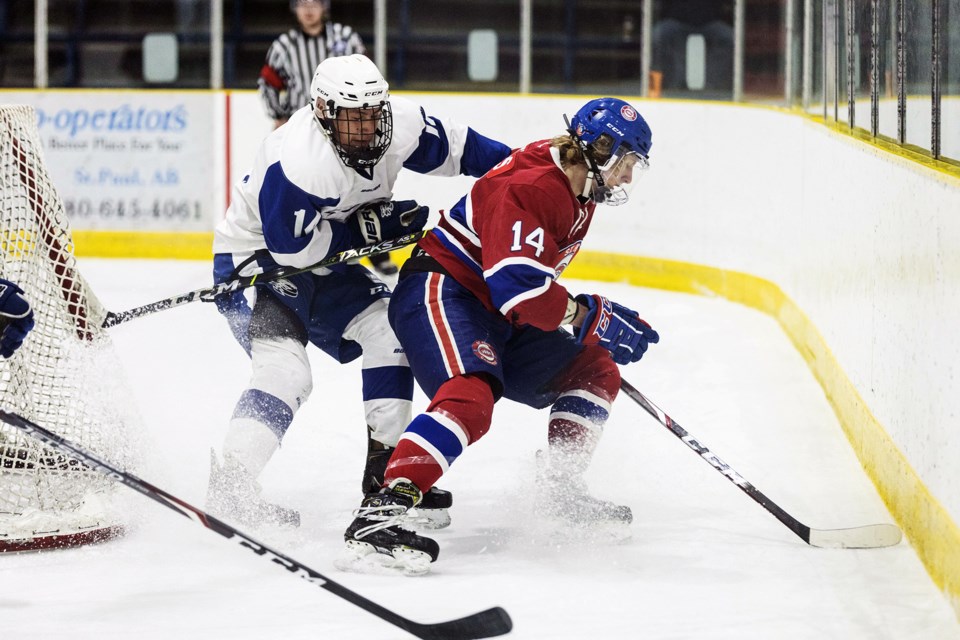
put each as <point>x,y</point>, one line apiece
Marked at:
<point>456,251</point>
<point>285,231</point>
<point>436,434</point>
<point>514,280</point>
<point>433,148</point>
<point>581,407</point>
<point>387,382</point>
<point>458,213</point>
<point>480,154</point>
<point>265,408</point>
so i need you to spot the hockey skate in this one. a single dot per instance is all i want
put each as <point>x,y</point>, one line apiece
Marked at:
<point>375,540</point>
<point>233,494</point>
<point>564,495</point>
<point>433,510</point>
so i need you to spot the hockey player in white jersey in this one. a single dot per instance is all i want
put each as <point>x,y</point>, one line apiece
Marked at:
<point>320,184</point>
<point>16,318</point>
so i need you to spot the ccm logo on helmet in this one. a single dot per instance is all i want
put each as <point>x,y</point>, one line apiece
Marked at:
<point>628,113</point>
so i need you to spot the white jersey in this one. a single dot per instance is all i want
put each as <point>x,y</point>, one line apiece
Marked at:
<point>297,196</point>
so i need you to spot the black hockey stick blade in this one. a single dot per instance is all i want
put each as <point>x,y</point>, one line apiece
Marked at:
<point>484,624</point>
<point>871,536</point>
<point>209,295</point>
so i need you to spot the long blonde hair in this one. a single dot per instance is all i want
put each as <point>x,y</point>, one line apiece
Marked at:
<point>571,153</point>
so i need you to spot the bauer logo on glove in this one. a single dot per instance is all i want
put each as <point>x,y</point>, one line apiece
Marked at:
<point>376,221</point>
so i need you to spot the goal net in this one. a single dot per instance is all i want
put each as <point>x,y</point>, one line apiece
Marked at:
<point>64,374</point>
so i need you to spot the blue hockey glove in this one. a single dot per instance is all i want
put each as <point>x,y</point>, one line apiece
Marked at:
<point>16,318</point>
<point>616,328</point>
<point>387,220</point>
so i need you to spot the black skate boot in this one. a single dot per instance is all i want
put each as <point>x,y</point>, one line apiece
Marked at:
<point>383,265</point>
<point>375,539</point>
<point>233,494</point>
<point>433,510</point>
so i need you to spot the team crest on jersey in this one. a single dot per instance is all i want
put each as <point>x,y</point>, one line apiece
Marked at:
<point>628,113</point>
<point>485,352</point>
<point>285,288</point>
<point>566,257</point>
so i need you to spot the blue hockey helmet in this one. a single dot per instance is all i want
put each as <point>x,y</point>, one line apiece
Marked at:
<point>616,118</point>
<point>615,139</point>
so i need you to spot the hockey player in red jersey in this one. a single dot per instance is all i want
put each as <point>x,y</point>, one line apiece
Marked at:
<point>479,312</point>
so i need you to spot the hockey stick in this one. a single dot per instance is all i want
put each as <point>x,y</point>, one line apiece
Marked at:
<point>484,624</point>
<point>866,537</point>
<point>208,295</point>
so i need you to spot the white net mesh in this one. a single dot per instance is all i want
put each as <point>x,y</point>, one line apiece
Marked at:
<point>64,374</point>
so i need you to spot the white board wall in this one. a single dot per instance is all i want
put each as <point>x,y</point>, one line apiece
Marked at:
<point>865,242</point>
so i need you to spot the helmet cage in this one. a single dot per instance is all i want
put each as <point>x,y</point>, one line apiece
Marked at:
<point>349,130</point>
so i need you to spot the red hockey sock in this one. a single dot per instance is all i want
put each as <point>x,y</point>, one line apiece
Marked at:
<point>587,389</point>
<point>459,414</point>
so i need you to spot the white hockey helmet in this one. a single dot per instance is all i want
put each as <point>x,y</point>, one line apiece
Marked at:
<point>363,135</point>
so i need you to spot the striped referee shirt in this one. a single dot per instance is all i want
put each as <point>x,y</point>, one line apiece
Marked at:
<point>284,83</point>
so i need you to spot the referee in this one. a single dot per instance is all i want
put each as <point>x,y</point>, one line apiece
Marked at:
<point>284,83</point>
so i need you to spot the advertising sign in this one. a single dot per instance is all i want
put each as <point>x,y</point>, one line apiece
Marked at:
<point>125,160</point>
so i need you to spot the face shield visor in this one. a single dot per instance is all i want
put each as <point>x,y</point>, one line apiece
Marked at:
<point>617,176</point>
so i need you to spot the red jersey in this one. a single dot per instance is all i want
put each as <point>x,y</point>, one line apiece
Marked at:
<point>513,234</point>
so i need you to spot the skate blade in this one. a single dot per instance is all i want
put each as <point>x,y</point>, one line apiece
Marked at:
<point>286,525</point>
<point>560,532</point>
<point>609,532</point>
<point>263,525</point>
<point>427,519</point>
<point>362,557</point>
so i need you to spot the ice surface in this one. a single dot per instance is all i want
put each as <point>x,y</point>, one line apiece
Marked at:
<point>704,561</point>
